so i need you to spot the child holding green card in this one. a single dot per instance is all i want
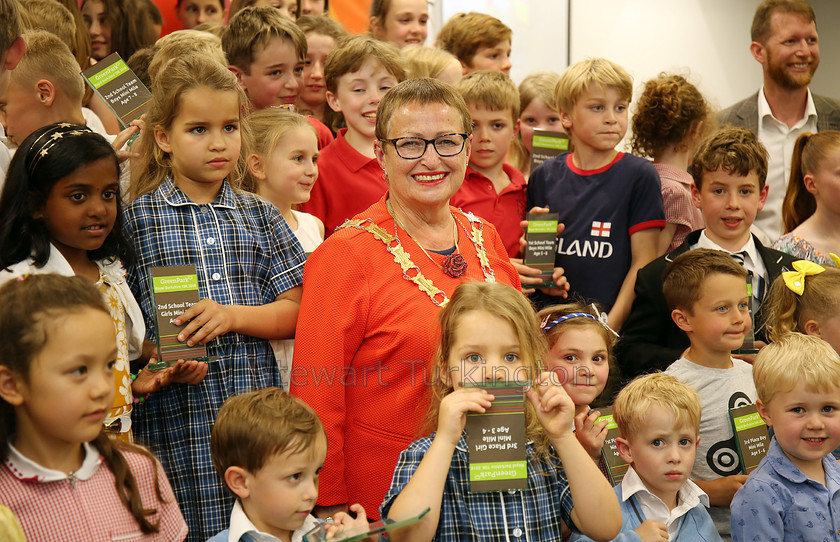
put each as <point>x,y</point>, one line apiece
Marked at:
<point>489,333</point>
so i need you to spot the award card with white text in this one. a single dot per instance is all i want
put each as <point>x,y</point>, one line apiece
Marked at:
<point>174,290</point>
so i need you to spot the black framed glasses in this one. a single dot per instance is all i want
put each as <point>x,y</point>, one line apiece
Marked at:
<point>412,148</point>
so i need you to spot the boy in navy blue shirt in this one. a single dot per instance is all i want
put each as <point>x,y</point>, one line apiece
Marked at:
<point>609,202</point>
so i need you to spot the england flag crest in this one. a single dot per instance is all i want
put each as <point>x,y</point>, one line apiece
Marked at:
<point>600,229</point>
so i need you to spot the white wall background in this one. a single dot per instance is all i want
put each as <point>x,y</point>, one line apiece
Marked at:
<point>708,40</point>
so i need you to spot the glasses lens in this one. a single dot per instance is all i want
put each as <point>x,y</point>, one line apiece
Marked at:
<point>410,147</point>
<point>449,144</point>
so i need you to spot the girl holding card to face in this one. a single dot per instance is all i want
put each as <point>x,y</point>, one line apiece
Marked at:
<point>489,333</point>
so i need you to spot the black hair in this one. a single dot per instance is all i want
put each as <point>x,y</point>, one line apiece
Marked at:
<point>30,180</point>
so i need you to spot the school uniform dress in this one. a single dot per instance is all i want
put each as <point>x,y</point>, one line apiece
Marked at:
<point>778,502</point>
<point>245,254</point>
<point>348,183</point>
<point>676,200</point>
<point>52,505</point>
<point>505,210</point>
<point>531,514</point>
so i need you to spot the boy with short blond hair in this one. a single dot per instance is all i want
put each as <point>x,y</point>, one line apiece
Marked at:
<point>492,189</point>
<point>357,74</point>
<point>729,169</point>
<point>268,447</point>
<point>707,294</point>
<point>479,41</point>
<point>609,202</point>
<point>44,88</point>
<point>794,493</point>
<point>659,420</point>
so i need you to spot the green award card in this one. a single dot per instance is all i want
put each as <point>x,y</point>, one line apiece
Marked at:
<point>174,290</point>
<point>751,436</point>
<point>542,246</point>
<point>547,144</point>
<point>616,466</point>
<point>496,440</point>
<point>119,87</point>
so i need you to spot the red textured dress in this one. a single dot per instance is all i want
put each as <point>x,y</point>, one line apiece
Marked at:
<point>365,341</point>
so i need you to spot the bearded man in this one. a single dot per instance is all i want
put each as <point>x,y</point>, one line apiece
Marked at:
<point>785,43</point>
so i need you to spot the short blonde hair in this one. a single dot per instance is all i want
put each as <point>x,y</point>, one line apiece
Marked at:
<point>423,91</point>
<point>185,42</point>
<point>349,56</point>
<point>582,76</point>
<point>47,57</point>
<point>633,402</point>
<point>796,358</point>
<point>51,16</point>
<point>465,33</point>
<point>253,427</point>
<point>425,61</point>
<point>490,90</point>
<point>252,28</point>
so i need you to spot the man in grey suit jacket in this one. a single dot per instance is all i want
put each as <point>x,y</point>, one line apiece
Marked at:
<point>784,42</point>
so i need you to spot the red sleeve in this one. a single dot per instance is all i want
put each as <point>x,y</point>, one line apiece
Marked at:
<point>325,345</point>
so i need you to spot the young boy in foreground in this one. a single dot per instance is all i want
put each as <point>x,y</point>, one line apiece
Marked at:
<point>659,420</point>
<point>479,41</point>
<point>794,494</point>
<point>706,291</point>
<point>268,448</point>
<point>729,170</point>
<point>492,189</point>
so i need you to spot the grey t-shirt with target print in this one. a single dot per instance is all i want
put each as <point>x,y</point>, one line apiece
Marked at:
<point>719,390</point>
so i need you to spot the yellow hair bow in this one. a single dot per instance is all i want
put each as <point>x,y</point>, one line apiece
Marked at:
<point>836,258</point>
<point>795,280</point>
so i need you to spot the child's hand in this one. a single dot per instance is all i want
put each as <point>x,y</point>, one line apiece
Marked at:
<point>150,381</point>
<point>190,371</point>
<point>652,531</point>
<point>721,490</point>
<point>343,523</point>
<point>454,408</point>
<point>207,320</point>
<point>553,406</point>
<point>591,435</point>
<point>530,276</point>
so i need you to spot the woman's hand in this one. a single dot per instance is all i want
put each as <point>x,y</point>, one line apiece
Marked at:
<point>591,435</point>
<point>207,320</point>
<point>454,408</point>
<point>553,406</point>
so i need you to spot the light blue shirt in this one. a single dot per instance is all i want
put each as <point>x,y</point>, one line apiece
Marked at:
<point>779,502</point>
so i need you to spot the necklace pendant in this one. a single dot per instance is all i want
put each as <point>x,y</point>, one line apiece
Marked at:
<point>454,265</point>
